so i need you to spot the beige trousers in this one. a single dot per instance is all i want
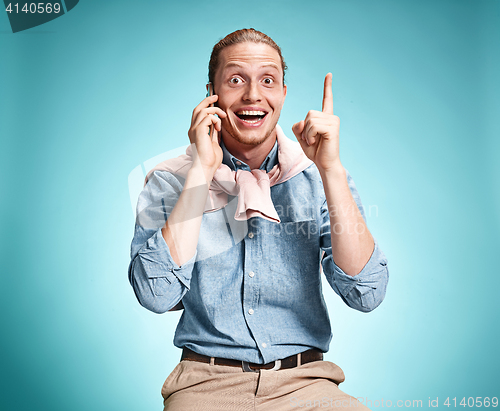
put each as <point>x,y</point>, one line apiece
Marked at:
<point>195,386</point>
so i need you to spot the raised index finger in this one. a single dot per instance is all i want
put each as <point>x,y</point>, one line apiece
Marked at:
<point>328,95</point>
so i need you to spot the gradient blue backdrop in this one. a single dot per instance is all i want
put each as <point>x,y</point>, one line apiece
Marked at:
<point>86,98</point>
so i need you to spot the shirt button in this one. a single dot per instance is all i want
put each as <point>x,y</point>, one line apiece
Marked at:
<point>264,345</point>
<point>250,311</point>
<point>251,273</point>
<point>250,235</point>
<point>238,163</point>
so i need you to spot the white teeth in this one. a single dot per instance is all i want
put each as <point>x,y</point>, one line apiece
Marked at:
<point>251,113</point>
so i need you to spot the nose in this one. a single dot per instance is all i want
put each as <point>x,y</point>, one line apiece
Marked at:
<point>252,92</point>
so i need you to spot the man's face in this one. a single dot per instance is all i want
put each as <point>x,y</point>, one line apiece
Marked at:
<point>249,82</point>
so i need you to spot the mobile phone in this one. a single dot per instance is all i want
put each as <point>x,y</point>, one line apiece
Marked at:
<point>210,90</point>
<point>211,93</point>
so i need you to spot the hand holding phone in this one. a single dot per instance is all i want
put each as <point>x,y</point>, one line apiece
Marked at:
<point>205,126</point>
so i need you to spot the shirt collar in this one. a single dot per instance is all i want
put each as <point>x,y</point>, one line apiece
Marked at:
<point>235,164</point>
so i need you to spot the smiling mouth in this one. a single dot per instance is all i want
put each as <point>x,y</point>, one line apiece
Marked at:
<point>251,117</point>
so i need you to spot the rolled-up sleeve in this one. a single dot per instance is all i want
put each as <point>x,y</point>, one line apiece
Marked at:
<point>158,282</point>
<point>366,290</point>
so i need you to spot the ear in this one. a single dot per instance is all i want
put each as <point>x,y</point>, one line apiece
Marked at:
<point>284,92</point>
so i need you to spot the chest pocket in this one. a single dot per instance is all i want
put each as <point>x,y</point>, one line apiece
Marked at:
<point>292,247</point>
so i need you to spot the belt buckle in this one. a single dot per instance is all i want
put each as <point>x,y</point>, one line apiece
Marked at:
<point>246,366</point>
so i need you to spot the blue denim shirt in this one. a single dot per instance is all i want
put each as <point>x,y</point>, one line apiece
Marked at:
<point>252,291</point>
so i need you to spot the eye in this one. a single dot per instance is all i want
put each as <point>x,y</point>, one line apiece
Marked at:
<point>235,80</point>
<point>268,81</point>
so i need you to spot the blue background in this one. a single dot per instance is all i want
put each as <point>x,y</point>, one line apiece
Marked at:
<point>89,96</point>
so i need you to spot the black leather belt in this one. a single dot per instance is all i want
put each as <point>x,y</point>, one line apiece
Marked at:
<point>288,362</point>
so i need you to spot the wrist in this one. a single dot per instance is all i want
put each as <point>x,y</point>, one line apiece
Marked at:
<point>200,174</point>
<point>335,170</point>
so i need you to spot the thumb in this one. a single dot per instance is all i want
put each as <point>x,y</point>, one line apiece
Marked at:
<point>297,129</point>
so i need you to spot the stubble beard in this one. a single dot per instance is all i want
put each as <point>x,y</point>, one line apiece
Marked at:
<point>252,142</point>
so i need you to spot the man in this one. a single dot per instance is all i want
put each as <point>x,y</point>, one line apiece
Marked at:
<point>237,230</point>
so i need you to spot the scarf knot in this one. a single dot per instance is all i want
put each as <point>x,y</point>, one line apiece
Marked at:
<point>253,188</point>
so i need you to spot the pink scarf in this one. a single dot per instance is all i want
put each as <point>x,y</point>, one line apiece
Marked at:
<point>253,188</point>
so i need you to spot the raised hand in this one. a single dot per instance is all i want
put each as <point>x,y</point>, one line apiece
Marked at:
<point>204,118</point>
<point>318,134</point>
